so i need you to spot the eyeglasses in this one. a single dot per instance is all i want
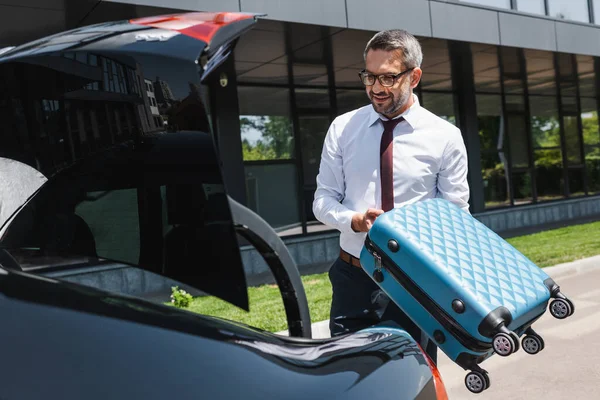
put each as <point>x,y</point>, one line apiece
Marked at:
<point>386,80</point>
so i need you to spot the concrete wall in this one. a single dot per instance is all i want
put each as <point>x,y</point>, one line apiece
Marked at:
<point>443,19</point>
<point>523,219</point>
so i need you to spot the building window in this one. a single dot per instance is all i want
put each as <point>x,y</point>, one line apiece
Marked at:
<point>541,78</point>
<point>266,125</point>
<point>490,3</point>
<point>494,167</point>
<point>314,118</point>
<point>574,10</point>
<point>589,121</point>
<point>486,69</point>
<point>492,141</point>
<point>512,74</point>
<point>81,57</point>
<point>435,88</point>
<point>348,100</point>
<point>596,8</point>
<point>308,43</point>
<point>93,86</point>
<point>437,73</point>
<point>545,132</point>
<point>114,77</point>
<point>591,141</point>
<point>268,152</point>
<point>500,179</point>
<point>532,6</point>
<point>515,111</point>
<point>260,56</point>
<point>441,104</point>
<point>545,125</point>
<point>348,47</point>
<point>571,124</point>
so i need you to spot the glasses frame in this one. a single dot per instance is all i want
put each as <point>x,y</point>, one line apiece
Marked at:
<point>379,77</point>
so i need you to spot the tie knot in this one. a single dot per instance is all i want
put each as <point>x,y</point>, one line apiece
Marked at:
<point>390,124</point>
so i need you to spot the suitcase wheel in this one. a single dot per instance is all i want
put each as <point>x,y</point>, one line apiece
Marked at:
<point>477,381</point>
<point>572,306</point>
<point>504,344</point>
<point>487,380</point>
<point>533,344</point>
<point>561,308</point>
<point>516,340</point>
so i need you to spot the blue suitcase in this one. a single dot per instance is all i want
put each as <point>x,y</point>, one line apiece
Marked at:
<point>468,289</point>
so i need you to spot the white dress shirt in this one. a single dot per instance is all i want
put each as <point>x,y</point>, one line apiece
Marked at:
<point>430,160</point>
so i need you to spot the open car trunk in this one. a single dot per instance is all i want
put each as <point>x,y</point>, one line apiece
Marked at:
<point>112,120</point>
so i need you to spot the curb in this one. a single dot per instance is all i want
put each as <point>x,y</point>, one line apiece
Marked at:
<point>320,330</point>
<point>573,268</point>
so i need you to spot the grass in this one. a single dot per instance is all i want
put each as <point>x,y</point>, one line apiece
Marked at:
<point>266,307</point>
<point>561,245</point>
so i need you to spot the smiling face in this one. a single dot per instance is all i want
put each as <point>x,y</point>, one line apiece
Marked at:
<point>394,100</point>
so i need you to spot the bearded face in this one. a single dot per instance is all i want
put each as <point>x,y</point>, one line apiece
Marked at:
<point>393,100</point>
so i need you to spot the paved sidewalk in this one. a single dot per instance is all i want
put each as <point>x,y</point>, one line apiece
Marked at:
<point>567,368</point>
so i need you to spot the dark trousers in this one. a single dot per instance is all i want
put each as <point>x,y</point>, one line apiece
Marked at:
<point>358,303</point>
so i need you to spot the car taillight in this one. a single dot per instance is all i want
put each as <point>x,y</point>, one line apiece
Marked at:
<point>440,389</point>
<point>199,25</point>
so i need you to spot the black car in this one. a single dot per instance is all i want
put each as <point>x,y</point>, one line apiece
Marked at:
<point>107,160</point>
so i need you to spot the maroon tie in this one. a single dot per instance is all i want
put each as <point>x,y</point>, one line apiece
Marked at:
<point>386,152</point>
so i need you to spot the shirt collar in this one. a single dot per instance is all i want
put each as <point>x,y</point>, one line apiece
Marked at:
<point>410,115</point>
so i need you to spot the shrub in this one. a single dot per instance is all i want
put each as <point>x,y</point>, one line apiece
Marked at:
<point>180,298</point>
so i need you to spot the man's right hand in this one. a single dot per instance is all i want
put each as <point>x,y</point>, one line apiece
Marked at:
<point>364,222</point>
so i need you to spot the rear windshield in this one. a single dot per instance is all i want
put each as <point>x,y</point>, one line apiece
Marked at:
<point>107,159</point>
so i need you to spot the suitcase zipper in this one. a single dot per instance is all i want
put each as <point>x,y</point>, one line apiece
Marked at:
<point>467,340</point>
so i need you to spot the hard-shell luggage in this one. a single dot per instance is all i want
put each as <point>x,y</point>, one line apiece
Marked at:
<point>468,289</point>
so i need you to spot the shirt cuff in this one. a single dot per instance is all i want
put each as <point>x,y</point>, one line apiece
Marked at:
<point>345,221</point>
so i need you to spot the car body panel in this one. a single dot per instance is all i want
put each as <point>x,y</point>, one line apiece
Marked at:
<point>209,31</point>
<point>97,345</point>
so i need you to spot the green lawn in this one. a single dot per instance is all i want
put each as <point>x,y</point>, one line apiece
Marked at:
<point>560,245</point>
<point>266,307</point>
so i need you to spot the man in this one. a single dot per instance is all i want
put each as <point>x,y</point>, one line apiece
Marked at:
<point>387,154</point>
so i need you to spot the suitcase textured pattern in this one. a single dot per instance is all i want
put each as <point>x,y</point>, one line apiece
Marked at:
<point>467,288</point>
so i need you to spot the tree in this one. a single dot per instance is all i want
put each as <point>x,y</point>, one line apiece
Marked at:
<point>257,152</point>
<point>590,129</point>
<point>545,132</point>
<point>276,137</point>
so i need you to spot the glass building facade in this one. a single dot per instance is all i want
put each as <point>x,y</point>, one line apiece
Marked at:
<point>529,117</point>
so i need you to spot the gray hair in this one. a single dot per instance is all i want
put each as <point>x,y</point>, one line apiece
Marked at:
<point>397,39</point>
